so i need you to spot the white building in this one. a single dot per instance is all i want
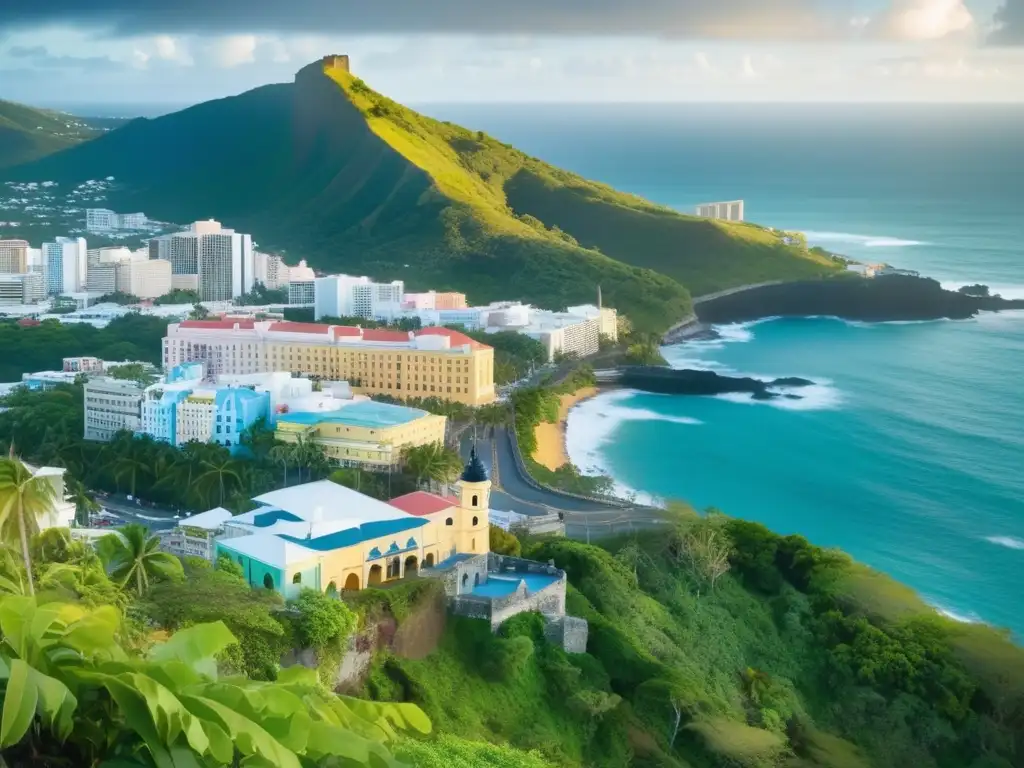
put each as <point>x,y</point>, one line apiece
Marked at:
<point>302,293</point>
<point>215,261</point>
<point>731,210</point>
<point>111,405</point>
<point>348,296</point>
<point>64,265</point>
<point>62,513</point>
<point>301,273</point>
<point>19,289</point>
<point>132,221</point>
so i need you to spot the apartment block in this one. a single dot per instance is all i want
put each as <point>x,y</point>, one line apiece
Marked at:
<point>105,220</point>
<point>434,300</point>
<point>13,256</point>
<point>111,405</point>
<point>432,362</point>
<point>302,292</point>
<point>221,260</point>
<point>143,277</point>
<point>270,270</point>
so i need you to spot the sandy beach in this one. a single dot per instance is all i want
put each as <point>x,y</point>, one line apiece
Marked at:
<point>551,437</point>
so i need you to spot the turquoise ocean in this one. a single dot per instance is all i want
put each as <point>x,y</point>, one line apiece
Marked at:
<point>908,452</point>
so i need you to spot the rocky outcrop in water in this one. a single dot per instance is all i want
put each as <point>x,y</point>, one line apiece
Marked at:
<point>670,381</point>
<point>879,299</point>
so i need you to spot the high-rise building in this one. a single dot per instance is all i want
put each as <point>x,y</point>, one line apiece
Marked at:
<point>64,265</point>
<point>731,210</point>
<point>270,269</point>
<point>106,220</point>
<point>221,259</point>
<point>13,256</point>
<point>432,362</point>
<point>434,300</point>
<point>347,296</point>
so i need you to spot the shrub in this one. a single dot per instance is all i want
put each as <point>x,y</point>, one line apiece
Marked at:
<point>229,566</point>
<point>504,543</point>
<point>737,742</point>
<point>323,620</point>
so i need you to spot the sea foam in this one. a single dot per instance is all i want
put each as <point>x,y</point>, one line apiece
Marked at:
<point>1011,542</point>
<point>868,241</point>
<point>1000,289</point>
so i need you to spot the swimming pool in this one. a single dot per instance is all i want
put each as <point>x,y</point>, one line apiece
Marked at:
<point>500,586</point>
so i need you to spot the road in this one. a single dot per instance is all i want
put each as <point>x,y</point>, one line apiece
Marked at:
<point>515,492</point>
<point>154,518</point>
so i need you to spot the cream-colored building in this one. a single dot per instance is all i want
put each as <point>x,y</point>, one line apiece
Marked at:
<point>13,256</point>
<point>363,434</point>
<point>431,362</point>
<point>144,277</point>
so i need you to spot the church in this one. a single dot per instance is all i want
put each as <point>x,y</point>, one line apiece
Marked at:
<point>325,536</point>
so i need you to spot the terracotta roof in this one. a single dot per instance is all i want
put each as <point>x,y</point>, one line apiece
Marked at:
<point>27,322</point>
<point>285,326</point>
<point>419,503</point>
<point>219,324</point>
<point>346,331</point>
<point>457,338</point>
<point>380,334</point>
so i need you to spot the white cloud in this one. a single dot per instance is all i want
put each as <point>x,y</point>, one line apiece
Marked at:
<point>704,63</point>
<point>917,20</point>
<point>748,71</point>
<point>233,50</point>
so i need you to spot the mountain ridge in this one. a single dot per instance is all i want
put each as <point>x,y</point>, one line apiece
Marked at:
<point>326,169</point>
<point>29,133</point>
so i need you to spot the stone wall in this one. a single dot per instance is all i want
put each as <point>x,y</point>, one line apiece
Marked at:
<point>569,632</point>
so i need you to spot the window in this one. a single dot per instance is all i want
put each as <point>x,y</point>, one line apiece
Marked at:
<point>268,581</point>
<point>476,521</point>
<point>475,502</point>
<point>297,578</point>
<point>449,521</point>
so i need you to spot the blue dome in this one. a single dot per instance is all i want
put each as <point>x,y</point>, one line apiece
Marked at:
<point>475,472</point>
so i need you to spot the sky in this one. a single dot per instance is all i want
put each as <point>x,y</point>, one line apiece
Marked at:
<point>175,52</point>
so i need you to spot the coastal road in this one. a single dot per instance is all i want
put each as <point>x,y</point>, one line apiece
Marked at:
<point>516,493</point>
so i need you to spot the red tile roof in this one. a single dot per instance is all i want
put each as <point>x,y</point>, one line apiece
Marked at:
<point>421,503</point>
<point>456,338</point>
<point>346,331</point>
<point>285,326</point>
<point>380,334</point>
<point>218,324</point>
<point>27,322</point>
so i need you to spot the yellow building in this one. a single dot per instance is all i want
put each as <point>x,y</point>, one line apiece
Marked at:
<point>327,537</point>
<point>364,433</point>
<point>431,362</point>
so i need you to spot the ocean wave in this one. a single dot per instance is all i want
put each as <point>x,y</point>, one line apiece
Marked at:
<point>592,424</point>
<point>964,618</point>
<point>1012,542</point>
<point>819,396</point>
<point>868,241</point>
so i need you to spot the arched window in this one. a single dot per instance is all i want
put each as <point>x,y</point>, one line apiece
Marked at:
<point>449,521</point>
<point>297,578</point>
<point>465,579</point>
<point>476,521</point>
<point>476,501</point>
<point>268,581</point>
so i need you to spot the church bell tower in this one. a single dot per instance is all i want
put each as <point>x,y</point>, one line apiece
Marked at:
<point>474,506</point>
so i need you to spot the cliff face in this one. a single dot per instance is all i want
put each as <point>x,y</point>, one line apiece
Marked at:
<point>888,298</point>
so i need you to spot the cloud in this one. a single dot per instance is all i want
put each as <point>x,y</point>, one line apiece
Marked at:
<point>739,19</point>
<point>918,20</point>
<point>39,56</point>
<point>1009,21</point>
<point>233,50</point>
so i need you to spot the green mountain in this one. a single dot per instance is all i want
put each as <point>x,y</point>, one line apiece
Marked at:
<point>27,133</point>
<point>326,169</point>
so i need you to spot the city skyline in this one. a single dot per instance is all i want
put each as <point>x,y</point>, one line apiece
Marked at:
<point>110,51</point>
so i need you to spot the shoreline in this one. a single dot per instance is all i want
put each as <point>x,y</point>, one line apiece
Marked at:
<point>552,450</point>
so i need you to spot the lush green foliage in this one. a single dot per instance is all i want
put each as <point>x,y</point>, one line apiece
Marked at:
<point>43,347</point>
<point>260,295</point>
<point>451,752</point>
<point>788,661</point>
<point>140,373</point>
<point>135,560</point>
<point>73,695</point>
<point>433,463</point>
<point>178,296</point>
<point>504,543</point>
<point>118,297</point>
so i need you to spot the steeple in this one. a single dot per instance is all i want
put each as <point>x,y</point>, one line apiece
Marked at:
<point>474,471</point>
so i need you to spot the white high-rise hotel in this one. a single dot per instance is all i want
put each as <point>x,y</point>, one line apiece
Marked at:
<point>216,262</point>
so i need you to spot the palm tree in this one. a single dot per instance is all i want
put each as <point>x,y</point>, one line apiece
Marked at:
<point>283,453</point>
<point>85,504</point>
<point>24,498</point>
<point>134,558</point>
<point>432,462</point>
<point>218,469</point>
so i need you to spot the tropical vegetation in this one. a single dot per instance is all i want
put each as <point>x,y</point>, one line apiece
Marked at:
<point>43,347</point>
<point>27,133</point>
